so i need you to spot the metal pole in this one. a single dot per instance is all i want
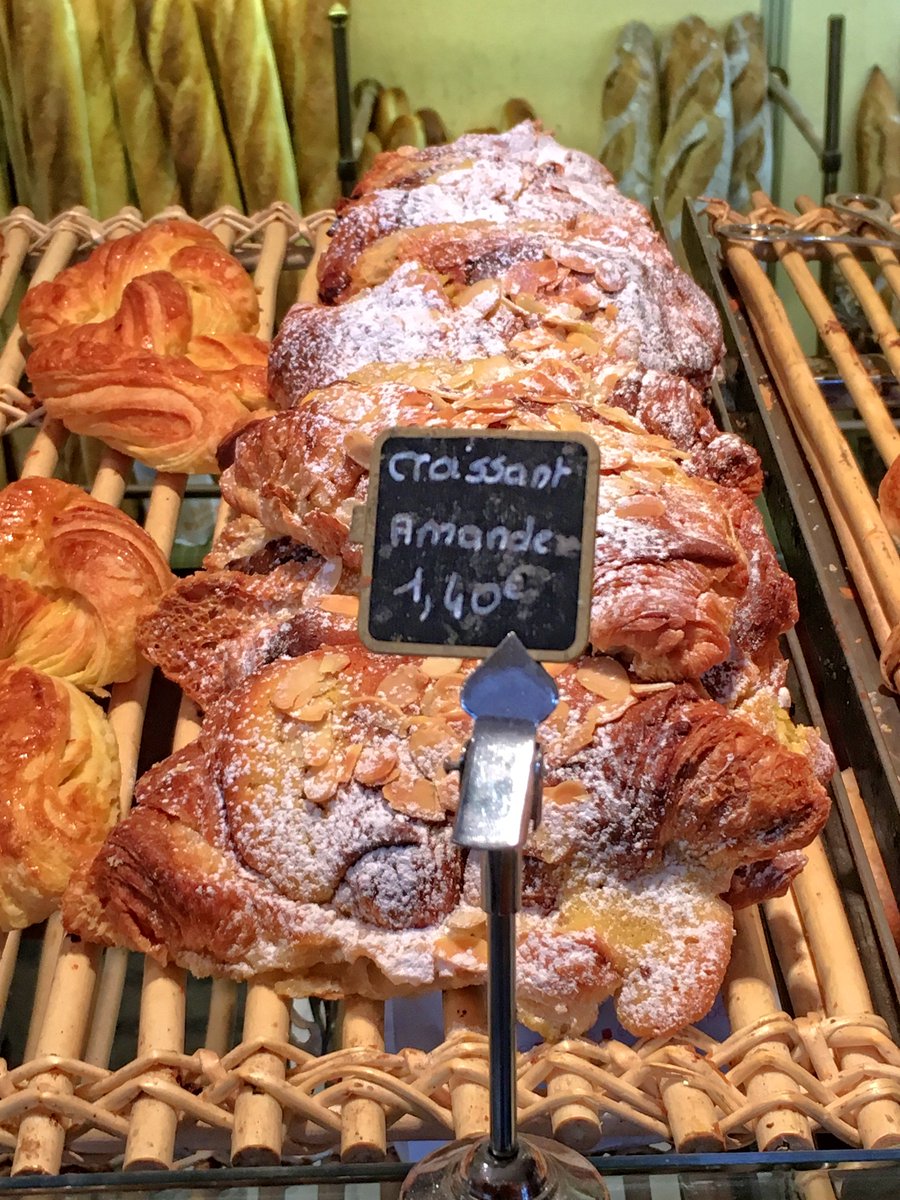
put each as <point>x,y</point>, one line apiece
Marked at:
<point>831,158</point>
<point>346,170</point>
<point>501,884</point>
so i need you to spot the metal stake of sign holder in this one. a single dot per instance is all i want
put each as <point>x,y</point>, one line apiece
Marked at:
<point>500,800</point>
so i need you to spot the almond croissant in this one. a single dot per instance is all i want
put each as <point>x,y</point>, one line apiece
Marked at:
<point>304,841</point>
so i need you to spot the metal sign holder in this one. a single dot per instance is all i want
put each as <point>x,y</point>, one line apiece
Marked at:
<point>509,695</point>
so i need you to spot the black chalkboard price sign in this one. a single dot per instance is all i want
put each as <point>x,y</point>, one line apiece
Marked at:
<point>471,536</point>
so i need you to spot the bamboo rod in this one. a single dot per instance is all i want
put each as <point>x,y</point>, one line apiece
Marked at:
<point>59,250</point>
<point>43,453</point>
<point>8,957</point>
<point>870,402</point>
<point>464,1011</point>
<point>15,248</point>
<point>793,953</point>
<point>833,463</point>
<point>154,1123</point>
<point>51,947</point>
<point>843,983</point>
<point>577,1125</point>
<point>258,1121</point>
<point>873,853</point>
<point>750,994</point>
<point>690,1111</point>
<point>111,477</point>
<point>865,394</point>
<point>363,1137</point>
<point>107,1004</point>
<point>267,273</point>
<point>885,259</point>
<point>308,290</point>
<point>41,1138</point>
<point>220,1019</point>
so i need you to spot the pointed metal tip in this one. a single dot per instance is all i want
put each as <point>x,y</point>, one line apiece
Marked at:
<point>510,684</point>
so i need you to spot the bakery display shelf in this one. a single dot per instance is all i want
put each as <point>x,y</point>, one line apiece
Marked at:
<point>845,607</point>
<point>811,1065</point>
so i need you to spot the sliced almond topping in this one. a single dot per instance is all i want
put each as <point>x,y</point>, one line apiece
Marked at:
<point>297,685</point>
<point>442,698</point>
<point>437,668</point>
<point>348,766</point>
<point>605,677</point>
<point>414,797</point>
<point>484,296</point>
<point>319,786</point>
<point>375,764</point>
<point>583,341</point>
<point>610,710</point>
<point>342,606</point>
<point>553,668</point>
<point>358,447</point>
<point>318,748</point>
<point>641,507</point>
<point>371,712</point>
<point>645,689</point>
<point>566,792</point>
<point>403,686</point>
<point>316,710</point>
<point>431,744</point>
<point>332,664</point>
<point>460,945</point>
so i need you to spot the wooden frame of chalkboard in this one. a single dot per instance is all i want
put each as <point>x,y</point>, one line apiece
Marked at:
<point>463,544</point>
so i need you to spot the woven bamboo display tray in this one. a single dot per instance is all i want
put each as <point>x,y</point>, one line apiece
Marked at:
<point>808,1055</point>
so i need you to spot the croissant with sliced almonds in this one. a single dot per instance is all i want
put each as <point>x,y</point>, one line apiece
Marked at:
<point>304,840</point>
<point>75,577</point>
<point>150,345</point>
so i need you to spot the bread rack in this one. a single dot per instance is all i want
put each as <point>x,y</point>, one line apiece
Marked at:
<point>812,1064</point>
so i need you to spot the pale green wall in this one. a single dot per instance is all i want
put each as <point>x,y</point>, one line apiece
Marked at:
<point>466,57</point>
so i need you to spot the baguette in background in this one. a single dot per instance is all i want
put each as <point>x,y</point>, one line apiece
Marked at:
<point>878,138</point>
<point>696,152</point>
<point>301,36</point>
<point>630,109</point>
<point>107,153</point>
<point>188,105</point>
<point>46,63</point>
<point>239,51</point>
<point>751,167</point>
<point>147,149</point>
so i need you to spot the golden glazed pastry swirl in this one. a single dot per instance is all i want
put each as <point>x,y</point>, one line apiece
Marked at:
<point>150,345</point>
<point>59,784</point>
<point>75,577</point>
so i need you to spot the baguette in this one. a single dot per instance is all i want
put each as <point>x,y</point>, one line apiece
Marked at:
<point>407,131</point>
<point>107,153</point>
<point>878,138</point>
<point>630,108</point>
<point>392,103</point>
<point>516,111</point>
<point>435,129</point>
<point>148,152</point>
<point>689,158</point>
<point>47,61</point>
<point>696,153</point>
<point>301,36</point>
<point>12,107</point>
<point>188,106</point>
<point>239,50</point>
<point>751,167</point>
